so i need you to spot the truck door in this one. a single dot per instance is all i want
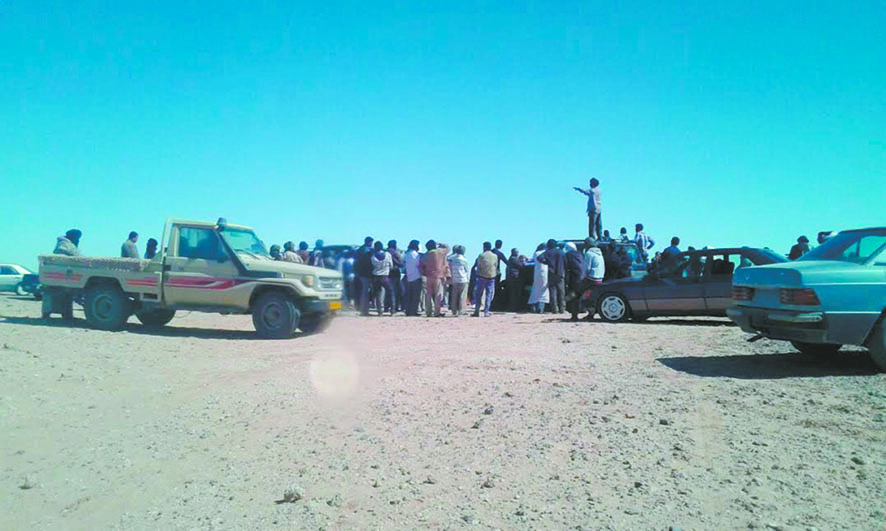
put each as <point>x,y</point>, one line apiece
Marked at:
<point>198,271</point>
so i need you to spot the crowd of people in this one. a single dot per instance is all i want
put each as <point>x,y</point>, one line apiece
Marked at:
<point>426,280</point>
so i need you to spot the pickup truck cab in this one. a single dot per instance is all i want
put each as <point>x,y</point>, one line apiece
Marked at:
<point>206,267</point>
<point>834,295</point>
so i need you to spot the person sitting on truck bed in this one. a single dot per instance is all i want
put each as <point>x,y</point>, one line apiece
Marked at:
<point>128,249</point>
<point>289,254</point>
<point>69,243</point>
<point>275,252</point>
<point>151,249</point>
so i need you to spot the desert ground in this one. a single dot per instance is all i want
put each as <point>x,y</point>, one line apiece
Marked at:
<point>511,422</point>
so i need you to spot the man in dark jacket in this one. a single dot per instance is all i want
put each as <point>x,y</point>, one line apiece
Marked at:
<point>394,296</point>
<point>515,287</point>
<point>363,270</point>
<point>574,279</point>
<point>800,248</point>
<point>556,263</point>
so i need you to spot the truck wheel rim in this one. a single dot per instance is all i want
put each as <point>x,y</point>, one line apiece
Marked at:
<point>613,308</point>
<point>102,307</point>
<point>272,315</point>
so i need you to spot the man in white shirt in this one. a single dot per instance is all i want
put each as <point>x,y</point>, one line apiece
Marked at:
<point>412,264</point>
<point>461,276</point>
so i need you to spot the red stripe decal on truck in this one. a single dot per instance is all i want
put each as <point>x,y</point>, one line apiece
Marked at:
<point>211,283</point>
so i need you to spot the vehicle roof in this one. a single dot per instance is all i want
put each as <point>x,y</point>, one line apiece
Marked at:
<point>862,230</point>
<point>182,221</point>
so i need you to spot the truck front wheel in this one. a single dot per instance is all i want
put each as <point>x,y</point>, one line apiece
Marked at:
<point>106,307</point>
<point>877,345</point>
<point>155,318</point>
<point>275,316</point>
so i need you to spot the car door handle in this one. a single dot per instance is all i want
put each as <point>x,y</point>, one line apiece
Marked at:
<point>167,267</point>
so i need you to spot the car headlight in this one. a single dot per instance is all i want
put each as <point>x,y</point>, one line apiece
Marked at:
<point>308,280</point>
<point>330,283</point>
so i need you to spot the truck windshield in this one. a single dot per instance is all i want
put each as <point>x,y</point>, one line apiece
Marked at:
<point>855,247</point>
<point>244,242</point>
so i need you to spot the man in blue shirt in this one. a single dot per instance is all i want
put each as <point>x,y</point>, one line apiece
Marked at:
<point>673,250</point>
<point>595,209</point>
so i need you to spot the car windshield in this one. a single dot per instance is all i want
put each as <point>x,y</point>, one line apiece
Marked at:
<point>855,247</point>
<point>245,242</point>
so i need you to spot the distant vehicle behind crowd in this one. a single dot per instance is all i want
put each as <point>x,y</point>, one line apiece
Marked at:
<point>11,276</point>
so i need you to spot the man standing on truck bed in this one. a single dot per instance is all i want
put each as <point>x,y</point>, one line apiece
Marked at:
<point>128,249</point>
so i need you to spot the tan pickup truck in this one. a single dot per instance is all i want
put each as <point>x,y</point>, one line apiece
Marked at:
<point>205,267</point>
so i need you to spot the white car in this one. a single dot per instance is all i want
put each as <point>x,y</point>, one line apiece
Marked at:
<point>11,276</point>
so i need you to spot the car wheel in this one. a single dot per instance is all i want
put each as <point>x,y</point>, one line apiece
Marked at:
<point>155,318</point>
<point>816,349</point>
<point>275,316</point>
<point>613,308</point>
<point>877,345</point>
<point>107,307</point>
<point>20,290</point>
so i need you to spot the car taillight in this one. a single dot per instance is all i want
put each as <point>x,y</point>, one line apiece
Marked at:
<point>742,293</point>
<point>799,297</point>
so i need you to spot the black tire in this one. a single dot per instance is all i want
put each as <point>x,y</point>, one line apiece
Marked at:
<point>155,318</point>
<point>315,325</point>
<point>275,316</point>
<point>817,350</point>
<point>613,308</point>
<point>877,345</point>
<point>106,307</point>
<point>20,290</point>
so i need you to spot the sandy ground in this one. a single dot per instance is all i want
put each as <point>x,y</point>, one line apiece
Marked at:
<point>510,422</point>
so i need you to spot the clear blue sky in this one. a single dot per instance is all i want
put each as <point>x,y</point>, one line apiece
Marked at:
<point>727,123</point>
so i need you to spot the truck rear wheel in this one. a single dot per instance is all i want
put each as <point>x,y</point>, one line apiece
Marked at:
<point>877,345</point>
<point>155,318</point>
<point>816,349</point>
<point>106,307</point>
<point>275,316</point>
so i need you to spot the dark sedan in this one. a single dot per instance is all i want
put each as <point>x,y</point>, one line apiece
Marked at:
<point>690,283</point>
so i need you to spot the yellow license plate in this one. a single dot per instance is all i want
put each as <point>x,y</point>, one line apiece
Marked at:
<point>335,305</point>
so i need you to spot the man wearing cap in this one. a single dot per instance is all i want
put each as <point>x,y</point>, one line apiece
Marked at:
<point>800,248</point>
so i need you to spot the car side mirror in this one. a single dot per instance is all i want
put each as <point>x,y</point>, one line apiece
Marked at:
<point>222,258</point>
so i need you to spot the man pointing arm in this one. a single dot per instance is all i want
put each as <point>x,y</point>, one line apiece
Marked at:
<point>595,208</point>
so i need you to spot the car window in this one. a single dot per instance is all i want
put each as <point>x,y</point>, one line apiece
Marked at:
<point>194,242</point>
<point>723,265</point>
<point>864,248</point>
<point>6,270</point>
<point>853,246</point>
<point>683,266</point>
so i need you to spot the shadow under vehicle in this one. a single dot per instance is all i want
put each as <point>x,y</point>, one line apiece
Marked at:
<point>690,283</point>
